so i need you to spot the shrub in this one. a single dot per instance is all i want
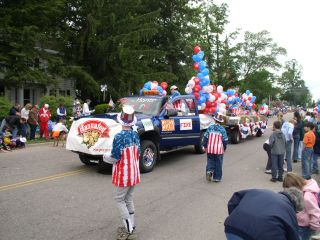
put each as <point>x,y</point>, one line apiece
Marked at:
<point>102,108</point>
<point>5,106</point>
<point>54,103</point>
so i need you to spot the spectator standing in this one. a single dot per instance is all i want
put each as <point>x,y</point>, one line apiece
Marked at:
<point>33,121</point>
<point>77,109</point>
<point>15,110</point>
<point>308,219</point>
<point>277,143</point>
<point>44,117</point>
<point>61,113</point>
<point>309,141</point>
<point>125,173</point>
<point>25,114</point>
<point>86,111</point>
<point>316,150</point>
<point>296,136</point>
<point>280,117</point>
<point>215,142</point>
<point>262,214</point>
<point>287,130</point>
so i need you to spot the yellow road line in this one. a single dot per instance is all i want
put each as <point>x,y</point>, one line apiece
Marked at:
<point>40,180</point>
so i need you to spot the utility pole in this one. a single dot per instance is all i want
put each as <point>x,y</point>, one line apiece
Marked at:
<point>104,88</point>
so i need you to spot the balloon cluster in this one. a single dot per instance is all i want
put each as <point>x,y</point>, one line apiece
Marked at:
<point>248,100</point>
<point>233,101</point>
<point>263,109</point>
<point>153,88</point>
<point>210,99</point>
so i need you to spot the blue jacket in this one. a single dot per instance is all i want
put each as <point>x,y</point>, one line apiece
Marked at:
<point>316,147</point>
<point>259,214</point>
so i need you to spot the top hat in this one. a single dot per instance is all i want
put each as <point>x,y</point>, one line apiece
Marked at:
<point>127,116</point>
<point>218,117</point>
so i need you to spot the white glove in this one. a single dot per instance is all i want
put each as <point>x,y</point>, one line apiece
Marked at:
<point>108,159</point>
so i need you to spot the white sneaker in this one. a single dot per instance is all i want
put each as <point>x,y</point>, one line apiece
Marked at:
<point>267,171</point>
<point>285,169</point>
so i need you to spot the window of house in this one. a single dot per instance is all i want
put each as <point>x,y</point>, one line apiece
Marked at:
<point>62,92</point>
<point>53,92</point>
<point>68,93</point>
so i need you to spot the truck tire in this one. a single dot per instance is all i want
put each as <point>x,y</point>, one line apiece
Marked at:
<point>235,136</point>
<point>86,160</point>
<point>148,157</point>
<point>103,167</point>
<point>199,147</point>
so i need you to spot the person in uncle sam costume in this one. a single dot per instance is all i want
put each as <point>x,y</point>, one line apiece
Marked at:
<point>44,117</point>
<point>125,172</point>
<point>215,142</point>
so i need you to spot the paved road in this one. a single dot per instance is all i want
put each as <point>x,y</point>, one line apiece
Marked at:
<point>46,193</point>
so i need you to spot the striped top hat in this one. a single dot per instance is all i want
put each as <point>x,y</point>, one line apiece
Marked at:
<point>218,117</point>
<point>127,116</point>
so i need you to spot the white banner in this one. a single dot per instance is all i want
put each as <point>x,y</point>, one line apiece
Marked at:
<point>92,135</point>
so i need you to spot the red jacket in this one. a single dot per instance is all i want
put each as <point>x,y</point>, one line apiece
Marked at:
<point>44,115</point>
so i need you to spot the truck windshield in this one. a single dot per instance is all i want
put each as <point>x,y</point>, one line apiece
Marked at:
<point>144,105</point>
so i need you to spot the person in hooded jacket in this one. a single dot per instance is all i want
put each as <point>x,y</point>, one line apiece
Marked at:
<point>309,218</point>
<point>261,214</point>
<point>277,143</point>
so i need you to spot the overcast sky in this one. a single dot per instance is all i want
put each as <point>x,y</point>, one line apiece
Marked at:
<point>293,24</point>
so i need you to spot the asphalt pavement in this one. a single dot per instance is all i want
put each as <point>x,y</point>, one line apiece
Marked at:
<point>46,193</point>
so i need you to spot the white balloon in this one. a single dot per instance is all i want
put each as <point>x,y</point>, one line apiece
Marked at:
<point>224,96</point>
<point>250,95</point>
<point>212,98</point>
<point>220,89</point>
<point>164,93</point>
<point>203,106</point>
<point>188,90</point>
<point>222,105</point>
<point>210,88</point>
<point>191,83</point>
<point>154,86</point>
<point>205,89</point>
<point>223,111</point>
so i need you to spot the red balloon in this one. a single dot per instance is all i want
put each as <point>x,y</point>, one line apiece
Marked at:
<point>196,80</point>
<point>249,98</point>
<point>197,88</point>
<point>196,66</point>
<point>196,49</point>
<point>236,94</point>
<point>214,104</point>
<point>196,95</point>
<point>253,106</point>
<point>208,104</point>
<point>164,85</point>
<point>212,110</point>
<point>224,101</point>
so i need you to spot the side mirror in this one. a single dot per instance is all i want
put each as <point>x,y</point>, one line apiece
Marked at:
<point>171,113</point>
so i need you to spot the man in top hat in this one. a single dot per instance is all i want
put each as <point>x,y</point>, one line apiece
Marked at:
<point>215,142</point>
<point>44,117</point>
<point>125,173</point>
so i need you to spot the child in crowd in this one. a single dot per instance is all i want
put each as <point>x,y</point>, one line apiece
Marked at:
<point>309,141</point>
<point>125,173</point>
<point>308,219</point>
<point>215,142</point>
<point>316,150</point>
<point>277,143</point>
<point>59,132</point>
<point>266,147</point>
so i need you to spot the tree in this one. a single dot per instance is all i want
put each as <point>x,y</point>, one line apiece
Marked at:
<point>293,86</point>
<point>261,84</point>
<point>258,52</point>
<point>28,31</point>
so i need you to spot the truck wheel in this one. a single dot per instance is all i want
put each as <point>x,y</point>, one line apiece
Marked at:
<point>85,159</point>
<point>199,147</point>
<point>259,133</point>
<point>235,136</point>
<point>148,157</point>
<point>104,167</point>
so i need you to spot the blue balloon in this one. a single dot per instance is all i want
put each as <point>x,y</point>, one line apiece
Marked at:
<point>202,65</point>
<point>201,54</point>
<point>200,75</point>
<point>160,90</point>
<point>202,99</point>
<point>206,81</point>
<point>147,85</point>
<point>247,92</point>
<point>205,71</point>
<point>196,58</point>
<point>253,98</point>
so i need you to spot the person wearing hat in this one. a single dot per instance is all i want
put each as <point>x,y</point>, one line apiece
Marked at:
<point>174,92</point>
<point>215,142</point>
<point>125,173</point>
<point>86,111</point>
<point>44,117</point>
